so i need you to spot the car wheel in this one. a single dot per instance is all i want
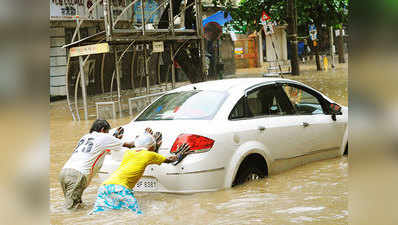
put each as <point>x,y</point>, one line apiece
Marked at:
<point>253,176</point>
<point>249,174</point>
<point>346,149</point>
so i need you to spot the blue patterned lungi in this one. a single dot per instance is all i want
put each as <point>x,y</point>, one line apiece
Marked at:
<point>114,196</point>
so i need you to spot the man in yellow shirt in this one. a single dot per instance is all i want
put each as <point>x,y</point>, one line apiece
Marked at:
<point>117,191</point>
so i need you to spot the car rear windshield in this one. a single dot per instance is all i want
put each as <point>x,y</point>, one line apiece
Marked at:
<point>190,105</point>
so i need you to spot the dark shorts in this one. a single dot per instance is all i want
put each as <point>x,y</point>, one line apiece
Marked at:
<point>73,184</point>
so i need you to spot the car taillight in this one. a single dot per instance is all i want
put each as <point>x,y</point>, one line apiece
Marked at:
<point>196,142</point>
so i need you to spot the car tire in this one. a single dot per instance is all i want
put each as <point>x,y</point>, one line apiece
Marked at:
<point>247,173</point>
<point>346,150</point>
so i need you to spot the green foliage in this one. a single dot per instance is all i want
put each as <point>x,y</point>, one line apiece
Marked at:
<point>247,14</point>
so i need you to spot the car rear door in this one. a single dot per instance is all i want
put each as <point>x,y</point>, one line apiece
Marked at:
<point>242,125</point>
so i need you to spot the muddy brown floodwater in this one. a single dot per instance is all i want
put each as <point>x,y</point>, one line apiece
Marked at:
<point>315,193</point>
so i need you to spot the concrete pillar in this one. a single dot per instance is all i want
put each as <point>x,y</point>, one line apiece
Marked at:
<point>280,42</point>
<point>260,48</point>
<point>283,45</point>
<point>270,50</point>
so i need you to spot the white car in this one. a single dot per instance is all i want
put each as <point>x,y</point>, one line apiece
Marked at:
<point>239,129</point>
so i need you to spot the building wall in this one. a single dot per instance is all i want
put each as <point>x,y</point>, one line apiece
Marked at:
<point>246,52</point>
<point>57,61</point>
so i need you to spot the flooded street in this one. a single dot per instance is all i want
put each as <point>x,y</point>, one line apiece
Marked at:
<point>315,193</point>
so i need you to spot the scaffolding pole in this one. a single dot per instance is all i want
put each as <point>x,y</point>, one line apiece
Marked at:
<point>132,71</point>
<point>117,70</point>
<point>107,20</point>
<point>83,83</point>
<point>199,30</point>
<point>67,88</point>
<point>143,17</point>
<point>82,76</point>
<point>173,72</point>
<point>146,69</point>
<point>171,16</point>
<point>102,73</point>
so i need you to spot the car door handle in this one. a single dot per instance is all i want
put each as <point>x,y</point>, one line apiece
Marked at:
<point>261,128</point>
<point>305,124</point>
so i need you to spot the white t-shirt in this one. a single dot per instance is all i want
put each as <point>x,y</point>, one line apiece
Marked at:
<point>90,151</point>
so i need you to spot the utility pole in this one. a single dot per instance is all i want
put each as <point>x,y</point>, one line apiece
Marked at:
<point>317,57</point>
<point>292,35</point>
<point>332,46</point>
<point>340,46</point>
<point>313,36</point>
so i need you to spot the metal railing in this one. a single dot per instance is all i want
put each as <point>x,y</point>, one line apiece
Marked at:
<point>98,104</point>
<point>146,99</point>
<point>131,40</point>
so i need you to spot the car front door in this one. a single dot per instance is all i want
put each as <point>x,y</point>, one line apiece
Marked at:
<point>282,131</point>
<point>266,115</point>
<point>319,131</point>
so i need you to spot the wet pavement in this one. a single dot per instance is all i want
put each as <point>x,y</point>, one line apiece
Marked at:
<point>315,193</point>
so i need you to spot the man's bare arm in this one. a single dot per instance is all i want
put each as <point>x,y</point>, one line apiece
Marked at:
<point>129,144</point>
<point>171,159</point>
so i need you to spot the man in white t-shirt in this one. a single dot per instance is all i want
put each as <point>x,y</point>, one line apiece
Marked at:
<point>86,160</point>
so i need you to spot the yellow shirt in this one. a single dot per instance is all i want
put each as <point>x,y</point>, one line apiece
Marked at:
<point>133,166</point>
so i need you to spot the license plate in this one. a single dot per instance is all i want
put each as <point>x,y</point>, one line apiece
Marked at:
<point>146,184</point>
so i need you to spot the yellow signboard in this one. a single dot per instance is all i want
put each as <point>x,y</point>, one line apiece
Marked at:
<point>238,51</point>
<point>89,49</point>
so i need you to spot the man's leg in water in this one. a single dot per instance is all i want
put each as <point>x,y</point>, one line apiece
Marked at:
<point>73,184</point>
<point>130,202</point>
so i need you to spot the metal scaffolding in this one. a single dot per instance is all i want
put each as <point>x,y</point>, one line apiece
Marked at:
<point>142,37</point>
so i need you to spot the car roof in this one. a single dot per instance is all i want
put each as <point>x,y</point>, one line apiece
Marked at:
<point>235,84</point>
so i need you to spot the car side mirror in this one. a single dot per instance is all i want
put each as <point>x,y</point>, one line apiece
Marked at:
<point>334,109</point>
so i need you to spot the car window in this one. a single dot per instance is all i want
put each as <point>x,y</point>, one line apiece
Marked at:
<point>193,105</point>
<point>303,102</point>
<point>268,100</point>
<point>239,110</point>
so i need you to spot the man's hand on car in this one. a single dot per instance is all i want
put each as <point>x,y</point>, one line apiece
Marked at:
<point>158,140</point>
<point>119,133</point>
<point>149,130</point>
<point>182,151</point>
